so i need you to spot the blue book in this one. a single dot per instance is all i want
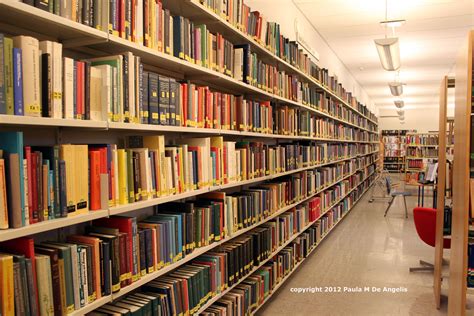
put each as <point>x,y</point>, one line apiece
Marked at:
<point>18,81</point>
<point>12,143</point>
<point>177,220</point>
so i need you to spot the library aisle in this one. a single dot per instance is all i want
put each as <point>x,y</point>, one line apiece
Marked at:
<point>366,249</point>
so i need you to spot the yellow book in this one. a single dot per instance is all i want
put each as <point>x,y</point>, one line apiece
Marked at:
<point>122,176</point>
<point>67,154</point>
<point>7,304</point>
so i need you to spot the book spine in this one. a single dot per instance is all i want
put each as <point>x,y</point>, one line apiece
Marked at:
<point>8,61</point>
<point>164,100</point>
<point>3,97</point>
<point>18,81</point>
<point>153,97</point>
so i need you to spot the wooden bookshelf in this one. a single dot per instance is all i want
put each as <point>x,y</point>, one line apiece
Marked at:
<point>461,172</point>
<point>421,148</point>
<point>394,150</point>
<point>19,18</point>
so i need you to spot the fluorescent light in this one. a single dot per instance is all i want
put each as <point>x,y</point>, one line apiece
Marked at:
<point>399,103</point>
<point>392,23</point>
<point>389,53</point>
<point>396,88</point>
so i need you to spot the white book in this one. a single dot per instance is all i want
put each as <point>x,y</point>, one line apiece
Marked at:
<point>169,175</point>
<point>106,91</point>
<point>239,64</point>
<point>57,98</point>
<point>45,284</point>
<point>96,95</point>
<point>68,88</point>
<point>83,276</point>
<point>139,23</point>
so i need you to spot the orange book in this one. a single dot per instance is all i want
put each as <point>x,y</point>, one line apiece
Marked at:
<point>7,304</point>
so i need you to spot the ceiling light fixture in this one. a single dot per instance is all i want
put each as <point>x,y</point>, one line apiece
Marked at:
<point>396,88</point>
<point>389,53</point>
<point>401,118</point>
<point>399,103</point>
<point>401,112</point>
<point>392,23</point>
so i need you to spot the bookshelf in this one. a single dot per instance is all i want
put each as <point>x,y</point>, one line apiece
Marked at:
<point>461,172</point>
<point>394,150</point>
<point>421,149</point>
<point>81,42</point>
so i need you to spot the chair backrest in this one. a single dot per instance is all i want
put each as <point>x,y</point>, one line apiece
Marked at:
<point>425,223</point>
<point>388,184</point>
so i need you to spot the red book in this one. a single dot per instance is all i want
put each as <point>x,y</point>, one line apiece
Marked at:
<point>30,184</point>
<point>200,116</point>
<point>80,108</point>
<point>24,246</point>
<point>224,158</point>
<point>133,21</point>
<point>94,191</point>
<point>121,11</point>
<point>184,103</point>
<point>146,23</point>
<point>34,186</point>
<point>103,160</point>
<point>209,115</point>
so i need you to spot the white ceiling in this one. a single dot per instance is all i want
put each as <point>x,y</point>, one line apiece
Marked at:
<point>429,42</point>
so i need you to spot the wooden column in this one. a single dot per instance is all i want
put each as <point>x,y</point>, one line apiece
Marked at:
<point>460,220</point>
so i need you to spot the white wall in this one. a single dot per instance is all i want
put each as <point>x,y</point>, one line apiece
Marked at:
<point>285,12</point>
<point>420,119</point>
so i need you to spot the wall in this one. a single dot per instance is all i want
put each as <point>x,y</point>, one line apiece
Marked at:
<point>285,12</point>
<point>420,119</point>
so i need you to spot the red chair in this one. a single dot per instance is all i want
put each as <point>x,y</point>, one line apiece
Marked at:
<point>425,223</point>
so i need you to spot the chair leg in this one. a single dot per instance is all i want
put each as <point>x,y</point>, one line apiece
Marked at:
<point>405,203</point>
<point>389,205</point>
<point>427,264</point>
<point>421,269</point>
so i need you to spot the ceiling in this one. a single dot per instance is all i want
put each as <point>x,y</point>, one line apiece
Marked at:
<point>429,42</point>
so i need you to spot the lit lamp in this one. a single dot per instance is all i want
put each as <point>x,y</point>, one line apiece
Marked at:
<point>396,88</point>
<point>389,52</point>
<point>401,117</point>
<point>401,113</point>
<point>399,103</point>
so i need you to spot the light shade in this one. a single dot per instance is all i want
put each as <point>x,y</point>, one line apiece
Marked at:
<point>399,103</point>
<point>401,117</point>
<point>401,113</point>
<point>396,88</point>
<point>389,53</point>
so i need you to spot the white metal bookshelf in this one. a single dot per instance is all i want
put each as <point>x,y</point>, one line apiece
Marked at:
<point>20,18</point>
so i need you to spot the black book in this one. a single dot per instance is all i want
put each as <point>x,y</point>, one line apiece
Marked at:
<point>42,4</point>
<point>142,254</point>
<point>153,99</point>
<point>175,117</point>
<point>64,209</point>
<point>30,285</point>
<point>136,176</point>
<point>149,250</point>
<point>145,97</point>
<point>178,37</point>
<point>166,33</point>
<point>46,85</point>
<point>85,12</point>
<point>164,100</point>
<point>126,93</point>
<point>105,268</point>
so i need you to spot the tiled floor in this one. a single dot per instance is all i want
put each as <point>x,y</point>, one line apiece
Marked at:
<point>365,250</point>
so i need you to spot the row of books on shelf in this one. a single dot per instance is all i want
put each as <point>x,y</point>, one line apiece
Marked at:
<point>40,183</point>
<point>422,139</point>
<point>415,164</point>
<point>151,24</point>
<point>117,89</point>
<point>117,251</point>
<point>422,152</point>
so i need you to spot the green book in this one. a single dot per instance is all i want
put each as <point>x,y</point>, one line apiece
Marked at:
<point>8,72</point>
<point>153,299</point>
<point>130,177</point>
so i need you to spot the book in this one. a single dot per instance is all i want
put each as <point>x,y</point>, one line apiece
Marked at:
<point>45,284</point>
<point>6,276</point>
<point>30,57</point>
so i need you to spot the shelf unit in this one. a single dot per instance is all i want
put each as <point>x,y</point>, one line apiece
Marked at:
<point>421,148</point>
<point>461,172</point>
<point>394,150</point>
<point>20,18</point>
